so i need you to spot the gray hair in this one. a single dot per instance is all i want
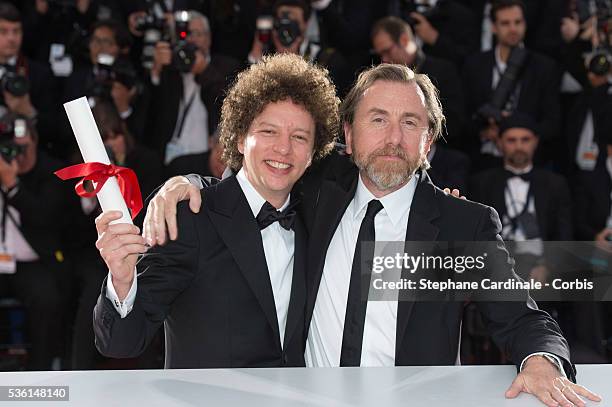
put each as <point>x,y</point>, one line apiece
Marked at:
<point>193,14</point>
<point>402,74</point>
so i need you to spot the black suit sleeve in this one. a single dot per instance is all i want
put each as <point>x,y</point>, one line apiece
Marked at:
<point>518,328</point>
<point>163,273</point>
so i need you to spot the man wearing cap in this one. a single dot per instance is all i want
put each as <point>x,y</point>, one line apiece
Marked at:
<point>533,203</point>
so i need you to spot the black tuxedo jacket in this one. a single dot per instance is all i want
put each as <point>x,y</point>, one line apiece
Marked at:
<point>551,199</point>
<point>538,95</point>
<point>211,290</point>
<point>450,169</point>
<point>428,332</point>
<point>592,195</point>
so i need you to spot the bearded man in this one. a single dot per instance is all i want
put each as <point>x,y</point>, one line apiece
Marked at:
<point>391,117</point>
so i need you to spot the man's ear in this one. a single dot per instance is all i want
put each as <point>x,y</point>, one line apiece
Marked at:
<point>428,143</point>
<point>348,137</point>
<point>241,145</point>
<point>403,40</point>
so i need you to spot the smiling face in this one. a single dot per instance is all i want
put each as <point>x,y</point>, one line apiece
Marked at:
<point>277,149</point>
<point>389,137</point>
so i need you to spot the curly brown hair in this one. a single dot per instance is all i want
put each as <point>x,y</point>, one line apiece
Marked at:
<point>277,78</point>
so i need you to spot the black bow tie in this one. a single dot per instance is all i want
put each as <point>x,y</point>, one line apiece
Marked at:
<point>268,215</point>
<point>528,176</point>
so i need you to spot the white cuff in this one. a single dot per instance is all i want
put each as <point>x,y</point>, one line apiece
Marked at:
<point>123,307</point>
<point>550,357</point>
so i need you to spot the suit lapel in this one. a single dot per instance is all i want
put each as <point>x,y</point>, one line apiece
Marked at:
<point>297,300</point>
<point>423,211</point>
<point>499,185</point>
<point>334,197</point>
<point>234,221</point>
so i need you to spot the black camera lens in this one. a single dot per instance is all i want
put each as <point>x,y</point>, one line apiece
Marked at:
<point>183,57</point>
<point>287,29</point>
<point>10,150</point>
<point>15,84</point>
<point>600,64</point>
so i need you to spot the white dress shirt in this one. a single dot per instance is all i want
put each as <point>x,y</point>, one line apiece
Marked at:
<point>278,244</point>
<point>324,342</point>
<point>515,195</point>
<point>192,138</point>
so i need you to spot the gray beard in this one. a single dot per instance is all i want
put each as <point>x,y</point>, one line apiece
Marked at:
<point>390,175</point>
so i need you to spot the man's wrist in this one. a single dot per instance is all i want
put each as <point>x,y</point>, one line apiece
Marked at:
<point>543,356</point>
<point>122,288</point>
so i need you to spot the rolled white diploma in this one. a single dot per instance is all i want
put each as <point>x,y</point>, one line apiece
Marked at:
<point>92,149</point>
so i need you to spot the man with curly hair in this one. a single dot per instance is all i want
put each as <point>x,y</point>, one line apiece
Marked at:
<point>391,117</point>
<point>230,290</point>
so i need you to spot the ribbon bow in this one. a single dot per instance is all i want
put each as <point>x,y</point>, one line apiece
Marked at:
<point>99,173</point>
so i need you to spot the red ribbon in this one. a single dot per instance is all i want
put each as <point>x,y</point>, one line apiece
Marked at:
<point>99,174</point>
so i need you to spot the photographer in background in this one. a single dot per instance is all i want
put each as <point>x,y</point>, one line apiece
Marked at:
<point>110,75</point>
<point>588,58</point>
<point>187,85</point>
<point>288,35</point>
<point>506,79</point>
<point>30,254</point>
<point>27,86</point>
<point>443,28</point>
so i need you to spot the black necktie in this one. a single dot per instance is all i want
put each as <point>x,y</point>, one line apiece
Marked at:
<point>268,215</point>
<point>525,176</point>
<point>361,273</point>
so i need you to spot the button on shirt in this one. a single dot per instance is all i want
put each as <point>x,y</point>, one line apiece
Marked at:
<point>278,246</point>
<point>326,328</point>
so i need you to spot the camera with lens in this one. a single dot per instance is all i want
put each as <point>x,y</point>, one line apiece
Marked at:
<point>415,6</point>
<point>153,26</point>
<point>501,98</point>
<point>9,129</point>
<point>183,52</point>
<point>109,70</point>
<point>599,62</point>
<point>14,83</point>
<point>287,29</point>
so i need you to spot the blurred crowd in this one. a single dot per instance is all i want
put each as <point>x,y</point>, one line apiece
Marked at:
<point>525,87</point>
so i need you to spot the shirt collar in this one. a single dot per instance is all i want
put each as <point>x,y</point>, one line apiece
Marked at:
<point>517,171</point>
<point>394,204</point>
<point>255,200</point>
